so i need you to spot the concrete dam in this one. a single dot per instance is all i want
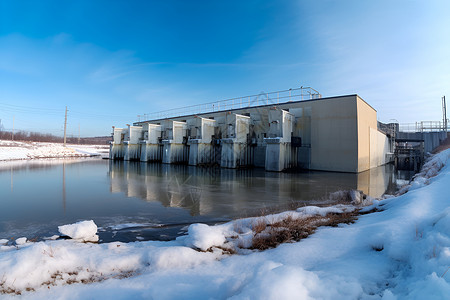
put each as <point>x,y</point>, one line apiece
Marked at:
<point>278,131</point>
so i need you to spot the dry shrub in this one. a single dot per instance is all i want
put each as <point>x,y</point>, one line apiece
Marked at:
<point>259,226</point>
<point>294,229</point>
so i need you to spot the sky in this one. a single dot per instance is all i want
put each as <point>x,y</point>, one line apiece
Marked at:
<point>110,61</point>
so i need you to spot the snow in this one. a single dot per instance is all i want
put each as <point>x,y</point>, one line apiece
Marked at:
<point>16,150</point>
<point>85,231</point>
<point>399,251</point>
<point>21,241</point>
<point>203,237</point>
<point>322,211</point>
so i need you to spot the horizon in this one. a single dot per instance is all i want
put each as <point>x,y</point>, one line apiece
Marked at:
<point>109,62</point>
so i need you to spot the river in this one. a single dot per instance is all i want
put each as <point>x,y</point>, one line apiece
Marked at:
<point>132,201</point>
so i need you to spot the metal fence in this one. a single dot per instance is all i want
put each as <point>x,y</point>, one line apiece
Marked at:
<point>423,126</point>
<point>298,94</point>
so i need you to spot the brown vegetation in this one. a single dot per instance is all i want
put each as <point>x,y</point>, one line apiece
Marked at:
<point>294,229</point>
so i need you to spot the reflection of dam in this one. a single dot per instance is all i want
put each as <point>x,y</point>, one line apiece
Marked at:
<point>234,193</point>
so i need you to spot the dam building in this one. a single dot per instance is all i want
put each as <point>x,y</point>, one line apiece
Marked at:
<point>278,131</point>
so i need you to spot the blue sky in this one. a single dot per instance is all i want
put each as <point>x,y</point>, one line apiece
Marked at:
<point>109,61</point>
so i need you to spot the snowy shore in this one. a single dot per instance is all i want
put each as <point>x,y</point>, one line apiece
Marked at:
<point>401,251</point>
<point>16,150</point>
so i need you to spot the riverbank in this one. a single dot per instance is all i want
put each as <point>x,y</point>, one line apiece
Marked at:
<point>17,150</point>
<point>399,251</point>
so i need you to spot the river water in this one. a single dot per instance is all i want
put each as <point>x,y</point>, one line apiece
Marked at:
<point>138,201</point>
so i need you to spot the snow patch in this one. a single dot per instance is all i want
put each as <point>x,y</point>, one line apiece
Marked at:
<point>85,231</point>
<point>204,237</point>
<point>21,241</point>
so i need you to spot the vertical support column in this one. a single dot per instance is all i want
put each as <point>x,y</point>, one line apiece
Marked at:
<point>150,146</point>
<point>174,150</point>
<point>135,134</point>
<point>234,144</point>
<point>117,148</point>
<point>278,150</point>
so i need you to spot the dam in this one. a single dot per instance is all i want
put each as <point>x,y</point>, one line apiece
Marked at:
<point>277,131</point>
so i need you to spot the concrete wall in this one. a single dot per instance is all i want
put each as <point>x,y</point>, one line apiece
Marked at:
<point>431,139</point>
<point>367,119</point>
<point>334,139</point>
<point>379,148</point>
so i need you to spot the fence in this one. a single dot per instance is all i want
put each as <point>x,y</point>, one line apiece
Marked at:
<point>298,94</point>
<point>423,126</point>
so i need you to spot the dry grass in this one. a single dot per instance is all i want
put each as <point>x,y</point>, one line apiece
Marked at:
<point>68,278</point>
<point>294,229</point>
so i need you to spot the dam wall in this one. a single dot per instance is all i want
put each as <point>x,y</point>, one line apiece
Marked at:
<point>329,134</point>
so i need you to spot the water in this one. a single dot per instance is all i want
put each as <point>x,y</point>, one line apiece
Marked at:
<point>137,201</point>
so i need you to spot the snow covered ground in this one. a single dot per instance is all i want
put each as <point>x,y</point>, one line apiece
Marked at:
<point>15,150</point>
<point>401,251</point>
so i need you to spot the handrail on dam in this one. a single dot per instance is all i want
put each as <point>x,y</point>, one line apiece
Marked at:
<point>297,94</point>
<point>423,126</point>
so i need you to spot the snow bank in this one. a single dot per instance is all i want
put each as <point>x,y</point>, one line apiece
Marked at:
<point>85,231</point>
<point>15,150</point>
<point>323,211</point>
<point>400,252</point>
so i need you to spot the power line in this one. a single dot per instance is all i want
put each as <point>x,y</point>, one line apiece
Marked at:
<point>12,106</point>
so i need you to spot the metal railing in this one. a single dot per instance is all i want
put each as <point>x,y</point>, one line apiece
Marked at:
<point>423,126</point>
<point>298,94</point>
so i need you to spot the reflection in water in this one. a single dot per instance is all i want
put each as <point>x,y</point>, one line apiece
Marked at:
<point>38,196</point>
<point>220,192</point>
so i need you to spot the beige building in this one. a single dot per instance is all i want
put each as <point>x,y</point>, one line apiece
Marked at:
<point>342,133</point>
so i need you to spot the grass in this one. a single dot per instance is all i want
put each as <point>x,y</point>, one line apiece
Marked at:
<point>294,229</point>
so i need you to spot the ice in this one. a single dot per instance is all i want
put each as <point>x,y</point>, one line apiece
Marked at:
<point>85,231</point>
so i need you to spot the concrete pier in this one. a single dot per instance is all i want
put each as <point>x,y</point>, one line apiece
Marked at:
<point>330,134</point>
<point>279,150</point>
<point>200,135</point>
<point>174,142</point>
<point>117,147</point>
<point>234,141</point>
<point>151,149</point>
<point>132,145</point>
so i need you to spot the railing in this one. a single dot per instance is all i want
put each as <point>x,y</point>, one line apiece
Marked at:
<point>423,126</point>
<point>298,94</point>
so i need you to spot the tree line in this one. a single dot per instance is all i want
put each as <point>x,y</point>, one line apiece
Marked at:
<point>50,138</point>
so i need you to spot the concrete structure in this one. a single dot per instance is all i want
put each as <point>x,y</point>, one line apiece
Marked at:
<point>174,140</point>
<point>117,148</point>
<point>331,134</point>
<point>430,139</point>
<point>133,137</point>
<point>201,132</point>
<point>234,141</point>
<point>280,154</point>
<point>151,149</point>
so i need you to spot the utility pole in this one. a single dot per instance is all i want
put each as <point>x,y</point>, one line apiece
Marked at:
<point>444,114</point>
<point>65,127</point>
<point>12,134</point>
<point>78,133</point>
